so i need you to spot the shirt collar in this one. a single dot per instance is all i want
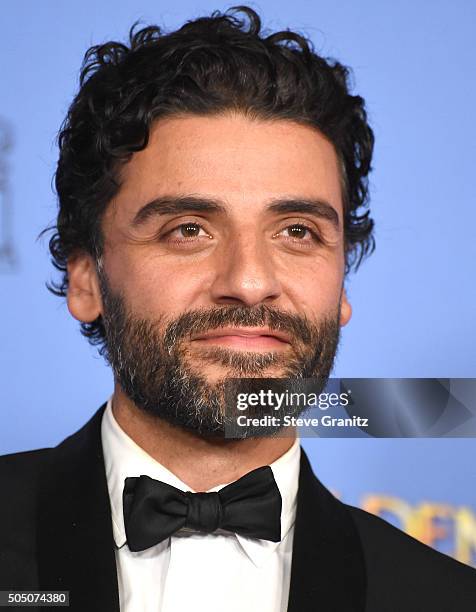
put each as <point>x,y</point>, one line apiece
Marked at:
<point>123,458</point>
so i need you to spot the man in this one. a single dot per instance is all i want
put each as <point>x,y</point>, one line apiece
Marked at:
<point>211,184</point>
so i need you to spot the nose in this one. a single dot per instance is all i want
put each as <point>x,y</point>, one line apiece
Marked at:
<point>245,274</point>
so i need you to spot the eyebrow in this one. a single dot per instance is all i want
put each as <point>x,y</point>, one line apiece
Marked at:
<point>318,208</point>
<point>173,205</point>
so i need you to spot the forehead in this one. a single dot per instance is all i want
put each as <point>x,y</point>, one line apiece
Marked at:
<point>232,158</point>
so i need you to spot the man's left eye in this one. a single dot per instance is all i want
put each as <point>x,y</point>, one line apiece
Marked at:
<point>299,231</point>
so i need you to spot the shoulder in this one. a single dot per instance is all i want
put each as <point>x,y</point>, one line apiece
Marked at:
<point>20,469</point>
<point>19,480</point>
<point>403,573</point>
<point>19,476</point>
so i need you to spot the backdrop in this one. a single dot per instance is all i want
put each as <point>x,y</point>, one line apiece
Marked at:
<point>413,300</point>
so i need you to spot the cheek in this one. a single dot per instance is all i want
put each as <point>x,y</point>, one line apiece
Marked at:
<point>153,288</point>
<point>315,286</point>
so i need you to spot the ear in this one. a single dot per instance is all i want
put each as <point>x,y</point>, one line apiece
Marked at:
<point>84,295</point>
<point>345,309</point>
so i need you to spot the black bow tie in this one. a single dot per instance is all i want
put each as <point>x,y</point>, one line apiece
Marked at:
<point>154,510</point>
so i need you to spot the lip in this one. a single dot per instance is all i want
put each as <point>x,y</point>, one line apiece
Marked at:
<point>249,334</point>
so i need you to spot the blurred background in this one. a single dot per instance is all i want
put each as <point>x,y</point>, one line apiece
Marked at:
<point>413,300</point>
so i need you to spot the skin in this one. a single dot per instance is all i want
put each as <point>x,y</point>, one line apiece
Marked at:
<point>244,255</point>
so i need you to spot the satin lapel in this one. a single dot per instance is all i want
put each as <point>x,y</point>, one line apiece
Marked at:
<point>328,571</point>
<point>75,541</point>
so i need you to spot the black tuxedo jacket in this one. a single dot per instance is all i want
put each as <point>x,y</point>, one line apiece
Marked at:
<point>56,534</point>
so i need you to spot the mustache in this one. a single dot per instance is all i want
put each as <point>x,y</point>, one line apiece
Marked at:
<point>203,320</point>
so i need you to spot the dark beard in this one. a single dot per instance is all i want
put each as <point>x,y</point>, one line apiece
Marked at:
<point>152,367</point>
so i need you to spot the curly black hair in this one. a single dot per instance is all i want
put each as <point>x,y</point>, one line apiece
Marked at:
<point>208,66</point>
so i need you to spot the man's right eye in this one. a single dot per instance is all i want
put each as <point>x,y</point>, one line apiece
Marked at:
<point>186,232</point>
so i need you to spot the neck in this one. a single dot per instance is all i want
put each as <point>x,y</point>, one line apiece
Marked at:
<point>201,463</point>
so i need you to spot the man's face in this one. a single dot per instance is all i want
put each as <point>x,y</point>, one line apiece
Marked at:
<point>235,267</point>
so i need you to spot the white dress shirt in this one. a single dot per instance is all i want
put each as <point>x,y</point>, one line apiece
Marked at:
<point>193,571</point>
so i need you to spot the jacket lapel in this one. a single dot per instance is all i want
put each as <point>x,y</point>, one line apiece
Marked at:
<point>75,541</point>
<point>328,571</point>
